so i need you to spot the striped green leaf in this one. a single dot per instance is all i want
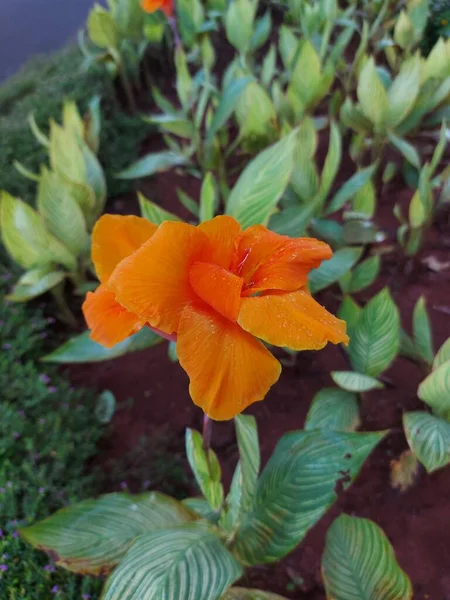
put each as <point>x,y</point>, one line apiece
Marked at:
<point>26,237</point>
<point>422,331</point>
<point>257,191</point>
<point>359,563</point>
<point>244,594</point>
<point>355,382</point>
<point>403,92</point>
<point>333,409</point>
<point>200,507</point>
<point>442,355</point>
<point>350,189</point>
<point>297,486</point>
<point>363,275</point>
<point>406,149</point>
<point>62,214</point>
<point>372,95</point>
<point>181,563</point>
<point>206,469</point>
<point>227,105</point>
<point>208,198</point>
<point>435,389</point>
<point>153,163</point>
<point>332,270</point>
<point>350,312</point>
<point>245,477</point>
<point>429,438</point>
<point>376,337</point>
<point>331,166</point>
<point>81,349</point>
<point>34,283</point>
<point>91,537</point>
<point>154,213</point>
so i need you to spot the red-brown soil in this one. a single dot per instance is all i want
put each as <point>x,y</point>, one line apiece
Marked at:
<point>416,521</point>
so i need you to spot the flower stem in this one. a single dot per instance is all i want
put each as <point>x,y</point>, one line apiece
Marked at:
<point>207,433</point>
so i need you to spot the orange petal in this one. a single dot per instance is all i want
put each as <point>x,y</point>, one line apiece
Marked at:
<point>151,6</point>
<point>114,238</point>
<point>293,320</point>
<point>269,261</point>
<point>109,322</point>
<point>217,287</point>
<point>223,233</point>
<point>154,281</point>
<point>228,368</point>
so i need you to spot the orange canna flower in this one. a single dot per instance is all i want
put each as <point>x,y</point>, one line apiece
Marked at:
<point>218,290</point>
<point>151,6</point>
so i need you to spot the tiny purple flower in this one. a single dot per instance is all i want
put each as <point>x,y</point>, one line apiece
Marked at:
<point>51,320</point>
<point>51,389</point>
<point>16,435</point>
<point>2,490</point>
<point>3,567</point>
<point>15,534</point>
<point>7,276</point>
<point>21,413</point>
<point>7,346</point>
<point>49,568</point>
<point>55,589</point>
<point>41,490</point>
<point>147,484</point>
<point>41,421</point>
<point>65,405</point>
<point>124,485</point>
<point>6,556</point>
<point>2,323</point>
<point>86,597</point>
<point>44,378</point>
<point>9,485</point>
<point>1,533</point>
<point>44,335</point>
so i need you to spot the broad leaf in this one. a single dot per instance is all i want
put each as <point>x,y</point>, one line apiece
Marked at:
<point>403,92</point>
<point>429,438</point>
<point>435,389</point>
<point>208,198</point>
<point>332,270</point>
<point>239,21</point>
<point>102,28</point>
<point>359,563</point>
<point>422,331</point>
<point>406,149</point>
<point>376,337</point>
<point>153,212</point>
<point>331,166</point>
<point>250,459</point>
<point>364,275</point>
<point>153,163</point>
<point>364,201</point>
<point>372,95</point>
<point>257,191</point>
<point>181,563</point>
<point>350,312</point>
<point>292,221</point>
<point>350,188</point>
<point>26,238</point>
<point>227,106</point>
<point>442,355</point>
<point>298,485</point>
<point>91,537</point>
<point>206,469</point>
<point>333,409</point>
<point>81,349</point>
<point>355,382</point>
<point>172,123</point>
<point>34,283</point>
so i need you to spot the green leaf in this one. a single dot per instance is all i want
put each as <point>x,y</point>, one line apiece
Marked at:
<point>350,312</point>
<point>206,469</point>
<point>181,563</point>
<point>364,201</point>
<point>91,537</point>
<point>350,188</point>
<point>442,355</point>
<point>296,488</point>
<point>34,283</point>
<point>435,389</point>
<point>258,189</point>
<point>329,230</point>
<point>153,163</point>
<point>407,347</point>
<point>269,65</point>
<point>154,213</point>
<point>422,331</point>
<point>429,438</point>
<point>227,106</point>
<point>261,32</point>
<point>208,198</point>
<point>38,134</point>
<point>359,563</point>
<point>61,213</point>
<point>188,203</point>
<point>245,594</point>
<point>355,382</point>
<point>288,45</point>
<point>250,459</point>
<point>105,408</point>
<point>81,349</point>
<point>406,149</point>
<point>102,28</point>
<point>172,123</point>
<point>200,507</point>
<point>333,409</point>
<point>372,95</point>
<point>376,338</point>
<point>307,74</point>
<point>292,221</point>
<point>26,238</point>
<point>331,166</point>
<point>332,270</point>
<point>364,275</point>
<point>239,20</point>
<point>184,82</point>
<point>66,154</point>
<point>404,90</point>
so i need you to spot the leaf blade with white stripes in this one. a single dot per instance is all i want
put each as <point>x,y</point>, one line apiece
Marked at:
<point>333,409</point>
<point>429,438</point>
<point>181,563</point>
